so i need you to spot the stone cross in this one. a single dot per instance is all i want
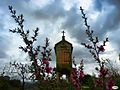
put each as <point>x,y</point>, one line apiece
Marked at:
<point>63,32</point>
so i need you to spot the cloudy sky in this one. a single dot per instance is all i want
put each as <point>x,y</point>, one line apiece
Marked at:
<point>54,16</point>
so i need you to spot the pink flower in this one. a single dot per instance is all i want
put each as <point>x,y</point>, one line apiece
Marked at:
<point>35,53</point>
<point>101,48</point>
<point>45,61</point>
<point>96,83</point>
<point>75,80</point>
<point>48,70</point>
<point>81,75</point>
<point>103,72</point>
<point>109,84</point>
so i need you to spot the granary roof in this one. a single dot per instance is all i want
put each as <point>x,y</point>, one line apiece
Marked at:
<point>63,41</point>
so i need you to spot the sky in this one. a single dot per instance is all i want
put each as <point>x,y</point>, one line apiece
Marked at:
<point>54,16</point>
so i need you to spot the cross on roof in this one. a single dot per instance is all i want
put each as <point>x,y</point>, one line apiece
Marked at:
<point>119,56</point>
<point>63,32</point>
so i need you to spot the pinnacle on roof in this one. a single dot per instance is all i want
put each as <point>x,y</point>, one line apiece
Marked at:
<point>63,37</point>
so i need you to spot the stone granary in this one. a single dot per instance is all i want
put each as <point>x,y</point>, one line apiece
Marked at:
<point>63,51</point>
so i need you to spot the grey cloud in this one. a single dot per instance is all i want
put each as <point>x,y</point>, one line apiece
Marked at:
<point>115,39</point>
<point>99,4</point>
<point>17,5</point>
<point>1,26</point>
<point>72,20</point>
<point>112,19</point>
<point>113,2</point>
<point>50,12</point>
<point>111,22</point>
<point>83,53</point>
<point>4,44</point>
<point>74,25</point>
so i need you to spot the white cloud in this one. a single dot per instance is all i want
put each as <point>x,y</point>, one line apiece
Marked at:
<point>84,3</point>
<point>68,4</point>
<point>39,3</point>
<point>94,16</point>
<point>1,12</point>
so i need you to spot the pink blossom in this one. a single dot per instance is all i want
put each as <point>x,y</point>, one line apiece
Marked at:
<point>48,70</point>
<point>101,48</point>
<point>103,72</point>
<point>109,84</point>
<point>81,75</point>
<point>35,53</point>
<point>45,61</point>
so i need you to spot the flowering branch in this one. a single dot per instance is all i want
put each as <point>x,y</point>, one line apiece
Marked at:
<point>39,66</point>
<point>95,48</point>
<point>77,75</point>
